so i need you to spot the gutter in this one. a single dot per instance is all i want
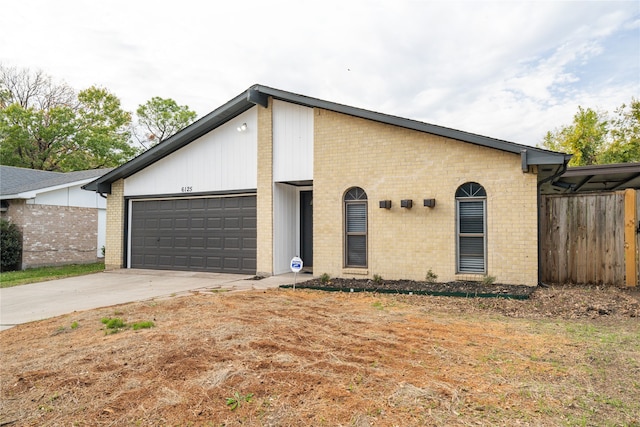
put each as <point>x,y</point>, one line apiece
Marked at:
<point>562,170</point>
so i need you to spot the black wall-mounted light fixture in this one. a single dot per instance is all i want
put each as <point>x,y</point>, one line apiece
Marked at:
<point>430,203</point>
<point>406,203</point>
<point>385,204</point>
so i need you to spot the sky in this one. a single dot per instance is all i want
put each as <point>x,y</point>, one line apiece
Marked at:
<point>510,70</point>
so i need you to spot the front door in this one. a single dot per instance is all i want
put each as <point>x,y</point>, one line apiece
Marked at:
<point>306,227</point>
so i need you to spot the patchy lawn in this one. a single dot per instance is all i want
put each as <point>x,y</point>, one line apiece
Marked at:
<point>567,356</point>
<point>41,274</point>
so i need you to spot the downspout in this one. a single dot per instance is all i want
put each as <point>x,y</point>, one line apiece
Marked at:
<point>562,170</point>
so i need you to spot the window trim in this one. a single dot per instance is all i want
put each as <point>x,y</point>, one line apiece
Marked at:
<point>463,199</point>
<point>359,198</point>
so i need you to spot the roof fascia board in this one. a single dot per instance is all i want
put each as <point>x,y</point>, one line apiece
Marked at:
<point>535,156</point>
<point>81,182</point>
<point>603,169</point>
<point>30,194</point>
<point>9,196</point>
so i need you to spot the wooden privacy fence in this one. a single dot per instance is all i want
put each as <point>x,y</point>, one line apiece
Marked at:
<point>590,238</point>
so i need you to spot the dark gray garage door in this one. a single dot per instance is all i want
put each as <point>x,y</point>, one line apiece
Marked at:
<point>204,234</point>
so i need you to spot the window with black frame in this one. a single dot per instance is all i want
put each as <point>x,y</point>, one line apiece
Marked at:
<point>355,226</point>
<point>471,224</point>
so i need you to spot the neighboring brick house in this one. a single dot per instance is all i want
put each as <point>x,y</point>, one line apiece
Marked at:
<point>60,223</point>
<point>272,174</point>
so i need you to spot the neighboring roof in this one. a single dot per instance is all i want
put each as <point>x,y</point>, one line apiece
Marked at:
<point>583,179</point>
<point>21,183</point>
<point>258,95</point>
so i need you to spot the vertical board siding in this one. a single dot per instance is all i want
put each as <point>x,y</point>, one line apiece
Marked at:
<point>582,238</point>
<point>221,160</point>
<point>292,142</point>
<point>285,227</point>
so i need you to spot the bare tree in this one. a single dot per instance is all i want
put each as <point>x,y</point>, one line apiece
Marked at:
<point>33,90</point>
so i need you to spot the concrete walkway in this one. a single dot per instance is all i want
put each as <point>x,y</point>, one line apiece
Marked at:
<point>37,301</point>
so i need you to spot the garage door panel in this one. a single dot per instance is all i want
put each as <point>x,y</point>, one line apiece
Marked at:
<point>231,263</point>
<point>214,243</point>
<point>206,234</point>
<point>232,223</point>
<point>214,224</point>
<point>249,264</point>
<point>249,243</point>
<point>231,243</point>
<point>198,224</point>
<point>181,223</point>
<point>162,223</point>
<point>178,243</point>
<point>197,243</point>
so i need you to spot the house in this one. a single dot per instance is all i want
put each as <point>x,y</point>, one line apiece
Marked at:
<point>355,193</point>
<point>60,223</point>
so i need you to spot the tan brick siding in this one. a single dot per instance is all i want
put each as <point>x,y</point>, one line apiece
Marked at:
<point>55,235</point>
<point>392,163</point>
<point>115,227</point>
<point>264,199</point>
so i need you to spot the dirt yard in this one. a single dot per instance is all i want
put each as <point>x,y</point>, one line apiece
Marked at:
<point>566,356</point>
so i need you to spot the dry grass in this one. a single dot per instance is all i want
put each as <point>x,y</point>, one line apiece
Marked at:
<point>315,358</point>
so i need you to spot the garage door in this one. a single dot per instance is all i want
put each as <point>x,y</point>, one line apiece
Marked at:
<point>203,234</point>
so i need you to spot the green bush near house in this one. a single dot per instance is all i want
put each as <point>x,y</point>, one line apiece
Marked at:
<point>10,246</point>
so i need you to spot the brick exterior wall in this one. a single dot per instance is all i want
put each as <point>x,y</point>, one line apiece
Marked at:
<point>264,198</point>
<point>392,163</point>
<point>55,235</point>
<point>114,246</point>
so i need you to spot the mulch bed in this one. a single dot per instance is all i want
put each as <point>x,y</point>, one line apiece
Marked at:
<point>458,288</point>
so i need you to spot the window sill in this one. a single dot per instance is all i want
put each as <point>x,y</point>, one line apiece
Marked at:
<point>355,271</point>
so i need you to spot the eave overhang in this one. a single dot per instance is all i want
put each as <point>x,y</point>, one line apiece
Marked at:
<point>259,95</point>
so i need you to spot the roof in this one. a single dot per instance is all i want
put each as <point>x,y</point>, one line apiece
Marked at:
<point>583,179</point>
<point>20,183</point>
<point>258,95</point>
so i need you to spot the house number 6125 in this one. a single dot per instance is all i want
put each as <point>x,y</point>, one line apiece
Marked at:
<point>187,189</point>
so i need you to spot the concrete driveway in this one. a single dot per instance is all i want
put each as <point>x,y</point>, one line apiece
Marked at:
<point>37,301</point>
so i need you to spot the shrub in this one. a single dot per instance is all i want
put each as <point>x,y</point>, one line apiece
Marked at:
<point>488,280</point>
<point>431,277</point>
<point>10,246</point>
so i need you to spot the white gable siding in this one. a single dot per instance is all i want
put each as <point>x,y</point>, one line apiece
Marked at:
<point>292,142</point>
<point>222,160</point>
<point>70,196</point>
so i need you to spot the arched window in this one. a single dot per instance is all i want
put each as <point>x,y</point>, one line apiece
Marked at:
<point>471,228</point>
<point>355,228</point>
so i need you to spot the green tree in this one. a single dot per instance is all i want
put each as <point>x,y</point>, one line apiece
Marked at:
<point>160,118</point>
<point>584,138</point>
<point>596,138</point>
<point>48,127</point>
<point>625,135</point>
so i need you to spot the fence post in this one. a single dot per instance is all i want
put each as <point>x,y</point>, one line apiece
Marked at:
<point>630,223</point>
